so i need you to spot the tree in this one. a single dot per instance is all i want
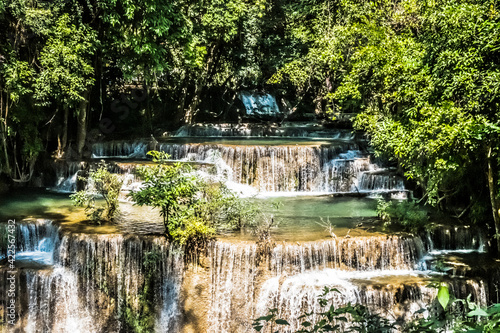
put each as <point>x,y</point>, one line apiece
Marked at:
<point>169,187</point>
<point>67,74</point>
<point>424,80</point>
<point>430,101</point>
<point>145,40</point>
<point>193,208</point>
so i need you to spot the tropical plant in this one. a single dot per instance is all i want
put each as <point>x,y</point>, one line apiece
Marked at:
<point>171,187</point>
<point>454,315</point>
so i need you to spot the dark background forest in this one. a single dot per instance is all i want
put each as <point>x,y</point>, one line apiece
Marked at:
<point>421,77</point>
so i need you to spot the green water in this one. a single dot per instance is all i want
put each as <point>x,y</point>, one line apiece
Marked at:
<point>308,218</point>
<point>300,218</point>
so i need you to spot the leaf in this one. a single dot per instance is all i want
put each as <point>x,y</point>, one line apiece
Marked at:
<point>443,296</point>
<point>478,312</point>
<point>265,318</point>
<point>282,322</point>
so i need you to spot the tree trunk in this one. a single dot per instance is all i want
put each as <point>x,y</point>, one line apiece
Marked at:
<point>64,142</point>
<point>166,212</point>
<point>4,134</point>
<point>181,104</point>
<point>82,124</point>
<point>492,185</point>
<point>193,106</point>
<point>149,111</point>
<point>205,78</point>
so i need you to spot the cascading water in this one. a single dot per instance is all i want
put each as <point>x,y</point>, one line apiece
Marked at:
<point>53,303</point>
<point>102,283</point>
<point>35,241</point>
<point>259,104</point>
<point>113,274</point>
<point>94,283</point>
<point>383,273</point>
<point>322,168</point>
<point>257,130</point>
<point>66,174</point>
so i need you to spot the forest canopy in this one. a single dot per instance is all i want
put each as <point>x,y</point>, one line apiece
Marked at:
<point>422,78</point>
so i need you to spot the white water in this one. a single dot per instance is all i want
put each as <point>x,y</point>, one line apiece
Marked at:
<point>259,104</point>
<point>67,174</point>
<point>298,294</point>
<point>94,278</point>
<point>102,276</point>
<point>274,170</point>
<point>36,242</point>
<point>55,304</point>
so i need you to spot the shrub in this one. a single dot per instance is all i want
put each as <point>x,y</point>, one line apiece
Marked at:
<point>410,216</point>
<point>455,316</point>
<point>102,183</point>
<point>192,208</point>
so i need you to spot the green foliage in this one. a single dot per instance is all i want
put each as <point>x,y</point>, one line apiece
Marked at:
<point>192,209</point>
<point>443,296</point>
<point>222,208</point>
<point>66,62</point>
<point>406,214</point>
<point>458,315</point>
<point>169,187</point>
<point>103,183</point>
<point>261,224</point>
<point>422,77</point>
<point>142,319</point>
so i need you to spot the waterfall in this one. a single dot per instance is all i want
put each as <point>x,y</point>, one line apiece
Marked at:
<point>359,253</point>
<point>382,273</point>
<point>233,270</point>
<point>66,174</point>
<point>94,283</point>
<point>298,294</point>
<point>112,275</point>
<point>54,305</point>
<point>331,168</point>
<point>112,282</point>
<point>465,238</point>
<point>380,181</point>
<point>258,130</point>
<point>35,241</point>
<point>257,104</point>
<point>243,283</point>
<point>121,149</point>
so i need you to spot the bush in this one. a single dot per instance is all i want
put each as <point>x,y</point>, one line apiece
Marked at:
<point>192,208</point>
<point>103,183</point>
<point>332,319</point>
<point>455,316</point>
<point>222,208</point>
<point>410,216</point>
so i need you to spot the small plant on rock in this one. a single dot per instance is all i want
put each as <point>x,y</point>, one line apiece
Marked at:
<point>102,183</point>
<point>408,215</point>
